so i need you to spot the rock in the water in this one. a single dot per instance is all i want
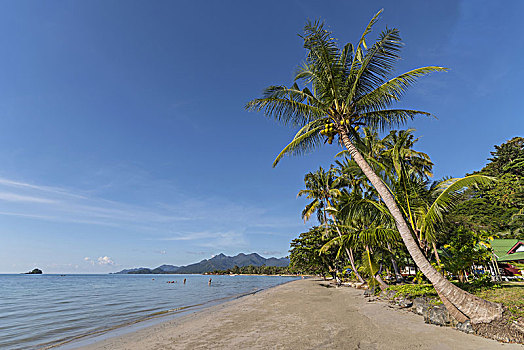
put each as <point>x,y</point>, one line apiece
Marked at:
<point>34,272</point>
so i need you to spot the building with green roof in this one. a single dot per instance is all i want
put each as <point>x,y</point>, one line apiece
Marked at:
<point>508,252</point>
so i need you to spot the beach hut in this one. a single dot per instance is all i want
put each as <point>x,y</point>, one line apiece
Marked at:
<point>509,254</point>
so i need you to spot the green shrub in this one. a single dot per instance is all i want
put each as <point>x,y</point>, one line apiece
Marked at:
<point>483,282</point>
<point>414,290</point>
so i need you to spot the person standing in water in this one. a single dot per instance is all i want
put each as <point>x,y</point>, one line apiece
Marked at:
<point>184,281</point>
<point>209,283</point>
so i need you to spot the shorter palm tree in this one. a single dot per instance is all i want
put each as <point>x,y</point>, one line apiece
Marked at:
<point>321,187</point>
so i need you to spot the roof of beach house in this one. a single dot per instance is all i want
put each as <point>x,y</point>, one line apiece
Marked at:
<point>508,249</point>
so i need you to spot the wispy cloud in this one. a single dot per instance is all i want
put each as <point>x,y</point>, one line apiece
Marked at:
<point>213,239</point>
<point>13,197</point>
<point>62,205</point>
<point>271,252</point>
<point>205,222</point>
<point>48,189</point>
<point>191,236</point>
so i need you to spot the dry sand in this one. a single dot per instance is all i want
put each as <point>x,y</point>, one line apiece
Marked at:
<point>303,314</point>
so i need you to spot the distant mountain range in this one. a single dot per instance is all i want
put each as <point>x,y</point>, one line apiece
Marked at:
<point>218,262</point>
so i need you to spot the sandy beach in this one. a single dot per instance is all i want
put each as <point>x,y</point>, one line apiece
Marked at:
<point>303,314</point>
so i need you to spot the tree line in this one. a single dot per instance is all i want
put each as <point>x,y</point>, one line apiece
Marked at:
<point>360,236</point>
<point>254,270</point>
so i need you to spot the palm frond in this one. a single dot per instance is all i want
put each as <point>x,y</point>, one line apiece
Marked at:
<point>286,106</point>
<point>346,57</point>
<point>369,267</point>
<point>343,153</point>
<point>378,236</point>
<point>305,140</point>
<point>308,193</point>
<point>387,118</point>
<point>323,55</point>
<point>362,42</point>
<point>337,241</point>
<point>392,90</point>
<point>376,65</point>
<point>448,197</point>
<point>310,209</point>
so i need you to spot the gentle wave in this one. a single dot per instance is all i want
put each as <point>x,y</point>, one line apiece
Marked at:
<point>49,311</point>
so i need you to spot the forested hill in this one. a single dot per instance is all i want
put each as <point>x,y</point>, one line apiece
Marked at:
<point>218,262</point>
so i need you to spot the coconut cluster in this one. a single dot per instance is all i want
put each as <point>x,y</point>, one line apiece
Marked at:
<point>330,129</point>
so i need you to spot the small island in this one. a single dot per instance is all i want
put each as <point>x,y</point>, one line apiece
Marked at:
<point>34,272</point>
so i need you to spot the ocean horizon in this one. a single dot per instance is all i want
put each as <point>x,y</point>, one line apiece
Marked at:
<point>57,311</point>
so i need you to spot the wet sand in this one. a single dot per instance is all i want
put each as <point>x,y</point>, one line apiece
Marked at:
<point>303,314</point>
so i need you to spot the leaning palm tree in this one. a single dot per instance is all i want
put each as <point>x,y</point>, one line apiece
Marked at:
<point>345,89</point>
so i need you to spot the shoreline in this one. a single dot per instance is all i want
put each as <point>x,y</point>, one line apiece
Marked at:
<point>86,340</point>
<point>300,314</point>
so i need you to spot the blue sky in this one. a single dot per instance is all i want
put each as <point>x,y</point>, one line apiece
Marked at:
<point>124,142</point>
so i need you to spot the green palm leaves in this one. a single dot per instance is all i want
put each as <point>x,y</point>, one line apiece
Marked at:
<point>343,88</point>
<point>321,187</point>
<point>406,172</point>
<point>446,196</point>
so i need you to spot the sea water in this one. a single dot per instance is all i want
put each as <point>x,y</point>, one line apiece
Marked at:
<point>40,311</point>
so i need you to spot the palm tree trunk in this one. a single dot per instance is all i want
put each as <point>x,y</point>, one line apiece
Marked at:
<point>371,273</point>
<point>352,262</point>
<point>325,219</point>
<point>383,285</point>
<point>473,307</point>
<point>350,254</point>
<point>351,259</point>
<point>398,276</point>
<point>496,270</point>
<point>436,252</point>
<point>453,311</point>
